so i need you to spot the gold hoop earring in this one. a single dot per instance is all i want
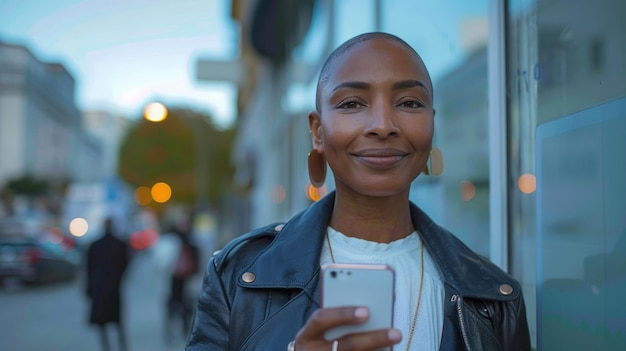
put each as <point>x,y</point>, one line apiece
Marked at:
<point>434,165</point>
<point>317,168</point>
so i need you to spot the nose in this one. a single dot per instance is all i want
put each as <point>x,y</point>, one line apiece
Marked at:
<point>382,121</point>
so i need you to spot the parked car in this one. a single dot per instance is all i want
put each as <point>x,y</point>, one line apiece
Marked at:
<point>35,261</point>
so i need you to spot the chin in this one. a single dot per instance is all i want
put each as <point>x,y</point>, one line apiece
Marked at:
<point>375,186</point>
<point>382,194</point>
<point>383,191</point>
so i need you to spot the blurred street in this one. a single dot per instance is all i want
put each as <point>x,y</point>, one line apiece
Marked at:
<point>54,317</point>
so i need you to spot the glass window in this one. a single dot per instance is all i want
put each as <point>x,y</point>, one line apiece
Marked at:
<point>566,101</point>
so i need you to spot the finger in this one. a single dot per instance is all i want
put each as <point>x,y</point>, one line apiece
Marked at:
<point>327,318</point>
<point>372,340</point>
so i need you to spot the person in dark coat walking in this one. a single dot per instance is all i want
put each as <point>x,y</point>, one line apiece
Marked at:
<point>107,260</point>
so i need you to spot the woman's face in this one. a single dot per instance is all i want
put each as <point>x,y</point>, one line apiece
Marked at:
<point>375,124</point>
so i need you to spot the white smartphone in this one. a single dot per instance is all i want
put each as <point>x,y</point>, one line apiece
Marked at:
<point>366,285</point>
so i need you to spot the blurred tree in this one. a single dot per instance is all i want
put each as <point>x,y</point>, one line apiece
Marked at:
<point>27,185</point>
<point>175,151</point>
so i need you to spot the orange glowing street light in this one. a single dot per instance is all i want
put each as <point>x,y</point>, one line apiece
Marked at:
<point>161,192</point>
<point>155,112</point>
<point>143,195</point>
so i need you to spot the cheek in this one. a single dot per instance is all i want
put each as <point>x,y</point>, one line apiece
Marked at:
<point>421,136</point>
<point>333,143</point>
<point>425,140</point>
<point>339,133</point>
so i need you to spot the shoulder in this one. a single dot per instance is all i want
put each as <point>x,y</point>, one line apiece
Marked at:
<point>245,247</point>
<point>475,275</point>
<point>466,271</point>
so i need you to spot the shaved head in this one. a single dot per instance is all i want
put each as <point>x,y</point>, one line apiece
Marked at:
<point>346,46</point>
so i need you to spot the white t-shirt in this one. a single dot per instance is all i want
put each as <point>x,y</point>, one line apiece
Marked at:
<point>404,256</point>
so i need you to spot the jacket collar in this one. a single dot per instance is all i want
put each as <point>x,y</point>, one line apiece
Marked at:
<point>462,270</point>
<point>292,259</point>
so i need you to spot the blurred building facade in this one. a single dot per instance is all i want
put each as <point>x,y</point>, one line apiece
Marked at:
<point>110,130</point>
<point>41,129</point>
<point>530,99</point>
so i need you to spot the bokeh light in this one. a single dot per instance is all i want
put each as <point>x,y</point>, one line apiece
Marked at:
<point>315,194</point>
<point>144,239</point>
<point>527,183</point>
<point>468,190</point>
<point>143,195</point>
<point>78,226</point>
<point>161,192</point>
<point>155,112</point>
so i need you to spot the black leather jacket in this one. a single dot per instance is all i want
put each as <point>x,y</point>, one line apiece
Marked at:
<point>262,287</point>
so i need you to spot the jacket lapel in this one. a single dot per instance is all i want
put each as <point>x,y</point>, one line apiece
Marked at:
<point>463,270</point>
<point>292,260</point>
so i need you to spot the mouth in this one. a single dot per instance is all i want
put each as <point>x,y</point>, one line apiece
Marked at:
<point>380,159</point>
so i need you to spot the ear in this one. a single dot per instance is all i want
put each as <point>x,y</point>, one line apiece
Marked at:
<point>315,128</point>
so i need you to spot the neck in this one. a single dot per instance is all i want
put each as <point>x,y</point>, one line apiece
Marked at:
<point>379,219</point>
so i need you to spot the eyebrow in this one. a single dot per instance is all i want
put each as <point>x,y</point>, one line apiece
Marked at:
<point>354,85</point>
<point>409,84</point>
<point>396,86</point>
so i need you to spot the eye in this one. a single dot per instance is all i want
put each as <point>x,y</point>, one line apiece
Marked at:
<point>411,104</point>
<point>349,105</point>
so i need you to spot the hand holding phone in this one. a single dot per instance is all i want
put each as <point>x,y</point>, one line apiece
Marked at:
<point>371,286</point>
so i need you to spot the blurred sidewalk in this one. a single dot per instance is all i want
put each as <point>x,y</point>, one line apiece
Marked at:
<point>54,317</point>
<point>146,292</point>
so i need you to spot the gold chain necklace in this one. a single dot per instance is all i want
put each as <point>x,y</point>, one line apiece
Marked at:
<point>419,296</point>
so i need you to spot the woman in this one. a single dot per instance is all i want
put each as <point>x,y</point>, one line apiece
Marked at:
<point>373,124</point>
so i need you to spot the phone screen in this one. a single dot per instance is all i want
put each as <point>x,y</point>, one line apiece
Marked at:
<point>371,286</point>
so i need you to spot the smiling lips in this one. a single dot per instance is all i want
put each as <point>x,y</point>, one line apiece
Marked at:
<point>380,159</point>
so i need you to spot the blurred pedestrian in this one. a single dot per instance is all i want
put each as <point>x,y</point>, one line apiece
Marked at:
<point>107,260</point>
<point>180,304</point>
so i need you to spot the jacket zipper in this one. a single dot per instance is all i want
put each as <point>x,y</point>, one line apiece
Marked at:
<point>459,310</point>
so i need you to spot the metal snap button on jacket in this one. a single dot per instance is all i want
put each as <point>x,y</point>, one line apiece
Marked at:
<point>506,289</point>
<point>248,277</point>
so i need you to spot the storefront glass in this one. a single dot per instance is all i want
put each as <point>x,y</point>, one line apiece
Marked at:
<point>566,121</point>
